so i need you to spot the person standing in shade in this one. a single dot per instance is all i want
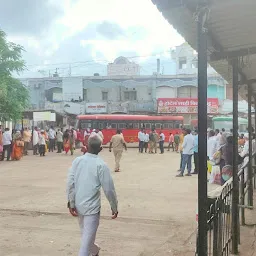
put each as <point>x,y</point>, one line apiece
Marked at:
<point>161,142</point>
<point>118,144</point>
<point>196,152</point>
<point>7,142</point>
<point>146,140</point>
<point>59,138</point>
<point>171,142</point>
<point>212,145</point>
<point>141,136</point>
<point>51,139</point>
<point>187,152</point>
<point>85,178</point>
<point>35,141</point>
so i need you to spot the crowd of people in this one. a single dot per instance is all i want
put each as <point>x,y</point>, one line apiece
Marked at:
<point>15,144</point>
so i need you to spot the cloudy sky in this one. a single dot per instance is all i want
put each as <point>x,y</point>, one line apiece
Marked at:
<point>86,35</point>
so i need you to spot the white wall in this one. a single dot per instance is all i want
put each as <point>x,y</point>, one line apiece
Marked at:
<point>166,92</point>
<point>72,88</point>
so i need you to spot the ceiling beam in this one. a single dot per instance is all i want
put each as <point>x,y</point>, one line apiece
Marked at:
<point>220,55</point>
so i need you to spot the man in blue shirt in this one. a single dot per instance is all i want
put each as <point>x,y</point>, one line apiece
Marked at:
<point>195,152</point>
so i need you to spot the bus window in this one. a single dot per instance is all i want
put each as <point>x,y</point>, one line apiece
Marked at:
<point>171,125</point>
<point>147,125</point>
<point>121,126</point>
<point>135,126</point>
<point>85,125</point>
<point>166,126</point>
<point>114,126</point>
<point>128,125</point>
<point>100,125</point>
<point>158,126</point>
<point>177,125</point>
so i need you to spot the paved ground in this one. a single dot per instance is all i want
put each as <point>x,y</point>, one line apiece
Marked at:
<point>157,210</point>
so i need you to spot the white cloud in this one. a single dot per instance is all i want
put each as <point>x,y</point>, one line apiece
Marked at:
<point>146,31</point>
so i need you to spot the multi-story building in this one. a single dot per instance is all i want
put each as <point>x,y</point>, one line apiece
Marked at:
<point>121,94</point>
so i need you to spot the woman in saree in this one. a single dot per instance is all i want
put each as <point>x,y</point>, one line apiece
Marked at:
<point>87,134</point>
<point>46,137</point>
<point>72,141</point>
<point>66,141</point>
<point>17,147</point>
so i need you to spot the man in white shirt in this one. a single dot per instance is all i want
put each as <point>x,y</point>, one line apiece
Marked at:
<point>86,177</point>
<point>212,145</point>
<point>161,142</point>
<point>187,152</point>
<point>52,135</point>
<point>141,140</point>
<point>7,141</point>
<point>35,141</point>
<point>101,134</point>
<point>146,140</point>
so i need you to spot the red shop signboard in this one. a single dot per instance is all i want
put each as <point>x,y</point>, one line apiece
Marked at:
<point>185,105</point>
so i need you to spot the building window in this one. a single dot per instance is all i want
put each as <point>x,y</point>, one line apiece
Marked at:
<point>84,94</point>
<point>104,95</point>
<point>187,92</point>
<point>130,95</point>
<point>182,63</point>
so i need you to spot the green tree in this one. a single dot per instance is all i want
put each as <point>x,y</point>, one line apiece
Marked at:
<point>14,96</point>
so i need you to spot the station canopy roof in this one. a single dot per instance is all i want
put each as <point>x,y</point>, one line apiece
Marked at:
<point>231,33</point>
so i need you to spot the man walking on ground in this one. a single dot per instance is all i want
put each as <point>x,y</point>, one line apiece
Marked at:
<point>177,141</point>
<point>35,141</point>
<point>141,140</point>
<point>26,139</point>
<point>195,152</point>
<point>187,152</point>
<point>146,140</point>
<point>161,142</point>
<point>7,141</point>
<point>59,138</point>
<point>171,142</point>
<point>118,144</point>
<point>51,139</point>
<point>86,177</point>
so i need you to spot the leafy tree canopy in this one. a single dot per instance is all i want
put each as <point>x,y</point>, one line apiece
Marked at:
<point>14,96</point>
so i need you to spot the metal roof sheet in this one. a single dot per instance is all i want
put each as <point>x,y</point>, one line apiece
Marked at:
<point>231,31</point>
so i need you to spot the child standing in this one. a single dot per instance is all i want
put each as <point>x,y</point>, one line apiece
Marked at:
<point>42,144</point>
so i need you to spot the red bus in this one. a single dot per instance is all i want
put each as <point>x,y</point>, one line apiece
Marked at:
<point>129,124</point>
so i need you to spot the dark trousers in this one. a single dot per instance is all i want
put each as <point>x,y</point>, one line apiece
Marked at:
<point>42,150</point>
<point>6,148</point>
<point>59,145</point>
<point>51,145</point>
<point>171,146</point>
<point>35,149</point>
<point>141,146</point>
<point>181,158</point>
<point>146,146</point>
<point>196,162</point>
<point>161,146</point>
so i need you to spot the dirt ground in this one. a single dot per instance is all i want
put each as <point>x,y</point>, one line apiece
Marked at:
<point>156,209</point>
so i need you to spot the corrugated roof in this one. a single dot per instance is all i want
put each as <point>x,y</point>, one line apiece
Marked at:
<point>231,31</point>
